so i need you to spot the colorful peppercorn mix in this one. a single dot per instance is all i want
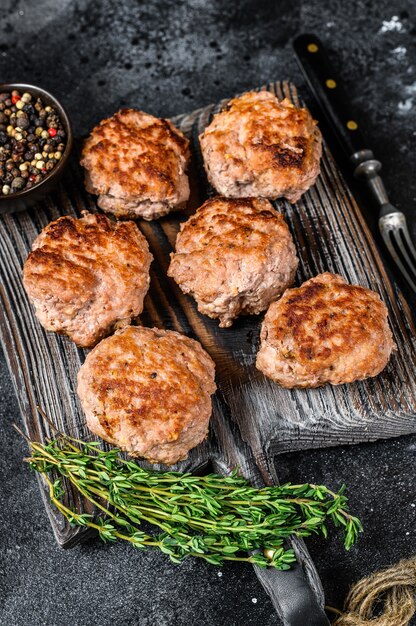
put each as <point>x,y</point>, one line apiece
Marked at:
<point>32,141</point>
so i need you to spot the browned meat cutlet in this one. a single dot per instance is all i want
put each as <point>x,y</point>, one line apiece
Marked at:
<point>136,164</point>
<point>262,147</point>
<point>325,331</point>
<point>148,391</point>
<point>85,276</point>
<point>234,256</point>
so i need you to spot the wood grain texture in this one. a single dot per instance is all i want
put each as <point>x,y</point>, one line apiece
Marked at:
<point>253,418</point>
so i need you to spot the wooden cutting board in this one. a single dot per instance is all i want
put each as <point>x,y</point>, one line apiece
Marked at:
<point>253,418</point>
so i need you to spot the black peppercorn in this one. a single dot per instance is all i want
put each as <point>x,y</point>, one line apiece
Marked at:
<point>18,183</point>
<point>23,122</point>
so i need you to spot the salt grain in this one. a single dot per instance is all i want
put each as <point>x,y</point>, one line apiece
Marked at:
<point>394,24</point>
<point>405,105</point>
<point>399,52</point>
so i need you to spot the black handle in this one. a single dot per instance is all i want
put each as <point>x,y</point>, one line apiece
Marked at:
<point>292,597</point>
<point>329,92</point>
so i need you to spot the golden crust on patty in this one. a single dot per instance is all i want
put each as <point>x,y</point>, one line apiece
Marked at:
<point>136,164</point>
<point>260,146</point>
<point>148,391</point>
<point>325,331</point>
<point>85,276</point>
<point>234,256</point>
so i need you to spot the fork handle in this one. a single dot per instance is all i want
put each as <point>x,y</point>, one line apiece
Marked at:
<point>334,103</point>
<point>329,92</point>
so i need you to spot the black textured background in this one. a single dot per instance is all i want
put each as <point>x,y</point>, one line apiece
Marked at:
<point>168,57</point>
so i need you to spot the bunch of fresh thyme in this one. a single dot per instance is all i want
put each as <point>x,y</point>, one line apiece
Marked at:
<point>213,517</point>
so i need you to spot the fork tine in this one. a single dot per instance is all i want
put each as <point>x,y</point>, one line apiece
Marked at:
<point>410,248</point>
<point>393,227</point>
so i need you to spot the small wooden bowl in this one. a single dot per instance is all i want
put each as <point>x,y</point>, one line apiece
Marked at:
<point>27,198</point>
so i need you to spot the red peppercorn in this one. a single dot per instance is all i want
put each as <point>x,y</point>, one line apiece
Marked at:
<point>52,132</point>
<point>32,177</point>
<point>15,99</point>
<point>43,170</point>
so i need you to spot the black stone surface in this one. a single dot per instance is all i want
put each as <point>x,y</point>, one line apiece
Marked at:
<point>167,57</point>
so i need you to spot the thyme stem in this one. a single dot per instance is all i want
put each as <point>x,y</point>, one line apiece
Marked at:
<point>212,517</point>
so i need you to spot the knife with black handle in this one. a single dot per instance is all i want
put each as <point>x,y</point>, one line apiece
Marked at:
<point>334,104</point>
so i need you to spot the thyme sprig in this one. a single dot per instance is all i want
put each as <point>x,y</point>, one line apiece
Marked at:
<point>216,518</point>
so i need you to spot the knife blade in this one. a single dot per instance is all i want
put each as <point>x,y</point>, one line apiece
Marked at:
<point>333,101</point>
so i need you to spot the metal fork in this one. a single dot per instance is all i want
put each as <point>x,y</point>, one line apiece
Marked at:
<point>392,222</point>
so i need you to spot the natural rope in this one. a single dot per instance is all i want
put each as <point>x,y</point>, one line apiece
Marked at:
<point>393,589</point>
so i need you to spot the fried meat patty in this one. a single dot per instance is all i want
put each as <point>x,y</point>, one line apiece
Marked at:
<point>148,392</point>
<point>85,276</point>
<point>325,331</point>
<point>234,256</point>
<point>260,146</point>
<point>136,164</point>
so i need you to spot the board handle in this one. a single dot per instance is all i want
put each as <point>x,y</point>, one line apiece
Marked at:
<point>292,597</point>
<point>296,594</point>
